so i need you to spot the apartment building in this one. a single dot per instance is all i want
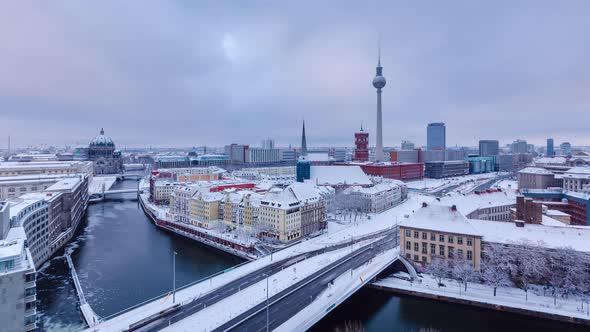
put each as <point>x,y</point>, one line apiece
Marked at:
<point>439,231</point>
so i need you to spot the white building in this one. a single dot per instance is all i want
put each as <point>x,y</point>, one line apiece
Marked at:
<point>577,179</point>
<point>45,167</point>
<point>254,155</point>
<point>375,199</point>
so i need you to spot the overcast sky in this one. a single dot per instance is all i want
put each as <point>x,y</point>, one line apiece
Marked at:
<point>185,73</point>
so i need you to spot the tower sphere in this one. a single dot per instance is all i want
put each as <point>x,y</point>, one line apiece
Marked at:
<point>379,82</point>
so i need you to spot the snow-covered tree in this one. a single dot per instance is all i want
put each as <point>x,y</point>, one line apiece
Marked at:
<point>495,266</point>
<point>566,273</point>
<point>463,270</point>
<point>530,265</point>
<point>439,269</point>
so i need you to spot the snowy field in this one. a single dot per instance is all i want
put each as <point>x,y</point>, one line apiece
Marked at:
<point>505,296</point>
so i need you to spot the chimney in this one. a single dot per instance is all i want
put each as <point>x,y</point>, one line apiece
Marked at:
<point>454,208</point>
<point>424,204</point>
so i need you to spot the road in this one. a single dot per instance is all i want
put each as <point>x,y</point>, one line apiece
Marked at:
<point>290,301</point>
<point>164,319</point>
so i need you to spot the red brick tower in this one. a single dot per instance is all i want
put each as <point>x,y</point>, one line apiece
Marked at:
<point>361,141</point>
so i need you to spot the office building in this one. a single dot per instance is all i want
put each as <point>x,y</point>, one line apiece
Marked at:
<point>518,146</point>
<point>407,145</point>
<point>566,148</point>
<point>550,148</point>
<point>436,136</point>
<point>488,148</point>
<point>443,169</point>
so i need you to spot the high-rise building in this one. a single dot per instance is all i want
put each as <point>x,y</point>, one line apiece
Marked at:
<point>379,83</point>
<point>550,148</point>
<point>361,142</point>
<point>236,152</point>
<point>566,148</point>
<point>518,146</point>
<point>436,136</point>
<point>488,148</point>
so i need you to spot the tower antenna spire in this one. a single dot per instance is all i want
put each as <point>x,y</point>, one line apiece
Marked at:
<point>379,52</point>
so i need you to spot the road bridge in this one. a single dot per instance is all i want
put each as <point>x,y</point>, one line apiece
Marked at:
<point>211,295</point>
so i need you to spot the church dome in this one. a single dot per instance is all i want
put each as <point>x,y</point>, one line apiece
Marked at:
<point>102,140</point>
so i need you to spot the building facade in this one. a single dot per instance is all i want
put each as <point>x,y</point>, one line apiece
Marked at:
<point>102,153</point>
<point>535,178</point>
<point>443,169</point>
<point>488,148</point>
<point>436,136</point>
<point>361,143</point>
<point>550,148</point>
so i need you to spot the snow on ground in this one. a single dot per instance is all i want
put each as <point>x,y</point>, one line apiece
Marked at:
<point>95,186</point>
<point>343,287</point>
<point>506,184</point>
<point>506,296</point>
<point>232,306</point>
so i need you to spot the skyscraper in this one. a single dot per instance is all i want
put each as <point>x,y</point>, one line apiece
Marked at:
<point>550,148</point>
<point>488,148</point>
<point>379,83</point>
<point>436,136</point>
<point>518,146</point>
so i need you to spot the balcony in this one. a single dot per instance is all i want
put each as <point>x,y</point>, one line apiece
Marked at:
<point>31,298</point>
<point>30,284</point>
<point>31,326</point>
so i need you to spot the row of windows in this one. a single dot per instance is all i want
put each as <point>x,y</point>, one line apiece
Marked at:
<point>441,250</point>
<point>441,237</point>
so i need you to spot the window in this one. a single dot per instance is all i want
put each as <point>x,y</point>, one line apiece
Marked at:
<point>416,246</point>
<point>441,238</point>
<point>460,252</point>
<point>416,234</point>
<point>424,259</point>
<point>469,242</point>
<point>424,236</point>
<point>459,240</point>
<point>409,256</point>
<point>408,233</point>
<point>33,188</point>
<point>22,189</point>
<point>424,248</point>
<point>433,249</point>
<point>441,250</point>
<point>469,254</point>
<point>408,245</point>
<point>432,237</point>
<point>11,190</point>
<point>415,257</point>
<point>451,252</point>
<point>451,240</point>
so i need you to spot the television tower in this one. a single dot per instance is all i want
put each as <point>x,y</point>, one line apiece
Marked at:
<point>379,83</point>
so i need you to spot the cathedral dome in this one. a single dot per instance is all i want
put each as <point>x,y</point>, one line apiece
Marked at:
<point>102,140</point>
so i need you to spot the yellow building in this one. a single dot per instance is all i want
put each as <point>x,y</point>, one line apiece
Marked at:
<point>439,231</point>
<point>204,208</point>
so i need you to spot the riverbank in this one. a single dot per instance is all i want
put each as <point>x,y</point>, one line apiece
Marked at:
<point>511,300</point>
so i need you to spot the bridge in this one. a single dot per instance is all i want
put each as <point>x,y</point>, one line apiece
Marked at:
<point>293,291</point>
<point>101,196</point>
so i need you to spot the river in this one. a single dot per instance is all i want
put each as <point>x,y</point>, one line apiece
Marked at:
<point>122,260</point>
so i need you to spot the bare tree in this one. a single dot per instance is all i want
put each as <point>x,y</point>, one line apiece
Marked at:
<point>496,266</point>
<point>439,269</point>
<point>566,273</point>
<point>463,270</point>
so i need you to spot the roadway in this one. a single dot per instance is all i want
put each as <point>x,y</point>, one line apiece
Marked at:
<point>290,301</point>
<point>164,319</point>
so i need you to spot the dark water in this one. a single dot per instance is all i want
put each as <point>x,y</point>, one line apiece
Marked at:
<point>381,311</point>
<point>122,260</point>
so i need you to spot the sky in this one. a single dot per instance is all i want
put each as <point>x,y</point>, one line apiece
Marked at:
<point>193,73</point>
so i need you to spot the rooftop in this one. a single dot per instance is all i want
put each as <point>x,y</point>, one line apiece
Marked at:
<point>339,175</point>
<point>64,184</point>
<point>535,170</point>
<point>440,218</point>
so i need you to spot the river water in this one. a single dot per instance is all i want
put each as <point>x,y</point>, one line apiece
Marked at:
<point>122,260</point>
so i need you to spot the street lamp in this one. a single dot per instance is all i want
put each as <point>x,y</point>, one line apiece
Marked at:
<point>267,314</point>
<point>174,277</point>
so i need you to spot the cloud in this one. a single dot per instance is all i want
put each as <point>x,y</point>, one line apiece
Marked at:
<point>181,73</point>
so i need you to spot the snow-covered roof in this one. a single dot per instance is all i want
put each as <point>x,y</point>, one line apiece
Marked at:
<point>318,156</point>
<point>442,219</point>
<point>551,160</point>
<point>339,175</point>
<point>548,221</point>
<point>64,184</point>
<point>577,173</point>
<point>474,201</point>
<point>535,170</point>
<point>9,249</point>
<point>560,236</point>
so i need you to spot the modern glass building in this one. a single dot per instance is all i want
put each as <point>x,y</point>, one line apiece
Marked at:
<point>550,148</point>
<point>436,136</point>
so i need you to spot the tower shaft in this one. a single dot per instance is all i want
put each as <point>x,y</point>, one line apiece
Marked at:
<point>379,148</point>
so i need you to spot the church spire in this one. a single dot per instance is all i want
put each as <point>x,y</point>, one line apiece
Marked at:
<point>303,141</point>
<point>102,131</point>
